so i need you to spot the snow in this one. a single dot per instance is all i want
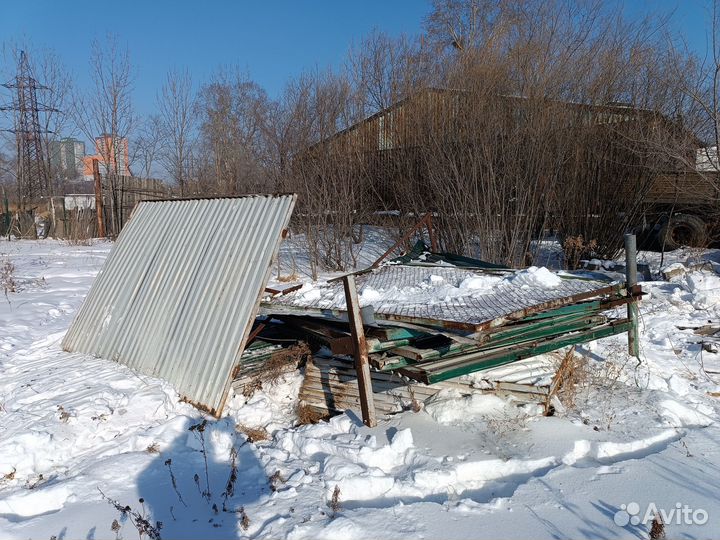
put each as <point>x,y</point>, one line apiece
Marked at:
<point>534,277</point>
<point>454,294</point>
<point>478,284</point>
<point>76,427</point>
<point>450,406</point>
<point>705,288</point>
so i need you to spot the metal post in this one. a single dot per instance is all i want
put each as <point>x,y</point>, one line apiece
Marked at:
<point>362,365</point>
<point>98,200</point>
<point>630,283</point>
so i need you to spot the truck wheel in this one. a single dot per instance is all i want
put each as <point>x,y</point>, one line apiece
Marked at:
<point>683,230</point>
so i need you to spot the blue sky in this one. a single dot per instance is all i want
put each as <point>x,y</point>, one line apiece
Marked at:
<point>270,40</point>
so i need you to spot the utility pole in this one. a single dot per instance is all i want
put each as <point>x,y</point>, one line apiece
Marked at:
<point>33,175</point>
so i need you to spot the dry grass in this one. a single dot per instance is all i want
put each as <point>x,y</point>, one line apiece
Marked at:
<point>9,476</point>
<point>280,363</point>
<point>153,448</point>
<point>253,386</point>
<point>657,529</point>
<point>289,278</point>
<point>276,480</point>
<point>415,404</point>
<point>308,414</point>
<point>253,434</point>
<point>501,426</point>
<point>7,279</point>
<point>80,241</point>
<point>64,415</point>
<point>575,249</point>
<point>244,519</point>
<point>334,503</point>
<point>570,376</point>
<point>601,388</point>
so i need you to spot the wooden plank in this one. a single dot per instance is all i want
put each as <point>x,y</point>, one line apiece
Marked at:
<point>286,290</point>
<point>324,386</point>
<point>705,330</point>
<point>328,378</point>
<point>387,394</point>
<point>362,365</point>
<point>328,388</point>
<point>522,388</point>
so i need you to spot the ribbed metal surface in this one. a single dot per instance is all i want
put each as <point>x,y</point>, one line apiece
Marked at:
<point>180,290</point>
<point>485,309</point>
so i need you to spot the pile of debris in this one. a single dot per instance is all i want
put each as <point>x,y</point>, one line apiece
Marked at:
<point>190,309</point>
<point>427,325</point>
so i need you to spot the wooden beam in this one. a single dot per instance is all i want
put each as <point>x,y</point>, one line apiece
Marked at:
<point>362,365</point>
<point>285,291</point>
<point>98,200</point>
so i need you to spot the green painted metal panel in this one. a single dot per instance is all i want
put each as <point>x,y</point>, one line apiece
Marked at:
<point>584,307</point>
<point>557,328</point>
<point>527,352</point>
<point>520,329</point>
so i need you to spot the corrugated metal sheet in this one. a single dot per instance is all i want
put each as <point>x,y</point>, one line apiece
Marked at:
<point>473,311</point>
<point>180,290</point>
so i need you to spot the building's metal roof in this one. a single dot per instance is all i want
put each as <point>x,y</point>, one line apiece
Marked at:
<point>471,312</point>
<point>179,292</point>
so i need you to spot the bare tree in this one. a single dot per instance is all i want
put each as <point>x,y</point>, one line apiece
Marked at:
<point>553,114</point>
<point>57,103</point>
<point>105,113</point>
<point>177,116</point>
<point>698,80</point>
<point>462,24</point>
<point>148,145</point>
<point>232,112</point>
<point>330,180</point>
<point>383,70</point>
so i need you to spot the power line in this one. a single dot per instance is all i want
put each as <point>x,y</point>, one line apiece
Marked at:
<point>33,175</point>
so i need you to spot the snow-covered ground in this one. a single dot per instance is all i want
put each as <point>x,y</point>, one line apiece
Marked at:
<point>76,432</point>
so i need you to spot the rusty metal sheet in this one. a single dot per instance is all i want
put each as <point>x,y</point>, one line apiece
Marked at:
<point>180,290</point>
